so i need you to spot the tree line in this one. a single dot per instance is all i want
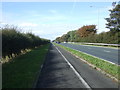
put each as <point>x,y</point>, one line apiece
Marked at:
<point>88,33</point>
<point>14,41</point>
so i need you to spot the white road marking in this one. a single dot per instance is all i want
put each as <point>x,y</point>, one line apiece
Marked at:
<point>78,75</point>
<point>97,57</point>
<point>100,46</point>
<point>106,51</point>
<point>41,66</point>
<point>94,56</point>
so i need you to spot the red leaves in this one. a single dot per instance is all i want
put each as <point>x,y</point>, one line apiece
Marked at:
<point>86,30</point>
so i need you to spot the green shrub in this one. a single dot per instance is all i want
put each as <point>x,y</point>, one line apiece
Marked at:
<point>13,41</point>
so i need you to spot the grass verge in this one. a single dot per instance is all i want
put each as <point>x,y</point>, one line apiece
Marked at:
<point>22,71</point>
<point>107,67</point>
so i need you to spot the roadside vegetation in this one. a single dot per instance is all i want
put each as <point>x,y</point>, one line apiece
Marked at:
<point>22,56</point>
<point>23,70</point>
<point>88,33</point>
<point>107,67</point>
<point>84,34</point>
<point>15,42</point>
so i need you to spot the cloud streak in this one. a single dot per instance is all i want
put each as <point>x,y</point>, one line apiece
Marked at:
<point>49,21</point>
<point>28,24</point>
<point>53,11</point>
<point>73,7</point>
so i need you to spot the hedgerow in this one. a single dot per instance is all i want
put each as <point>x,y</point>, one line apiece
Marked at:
<point>14,41</point>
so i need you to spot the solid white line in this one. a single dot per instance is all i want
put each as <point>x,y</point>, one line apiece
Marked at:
<point>94,56</point>
<point>41,66</point>
<point>78,75</point>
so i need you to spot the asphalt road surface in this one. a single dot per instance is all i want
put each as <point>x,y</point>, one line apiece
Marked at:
<point>63,70</point>
<point>108,54</point>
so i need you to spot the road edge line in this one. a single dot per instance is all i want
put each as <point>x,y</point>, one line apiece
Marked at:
<point>78,75</point>
<point>93,66</point>
<point>94,56</point>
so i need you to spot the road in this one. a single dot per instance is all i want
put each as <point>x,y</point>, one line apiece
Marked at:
<point>63,70</point>
<point>108,54</point>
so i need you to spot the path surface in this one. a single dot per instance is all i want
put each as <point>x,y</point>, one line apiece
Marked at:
<point>56,73</point>
<point>108,54</point>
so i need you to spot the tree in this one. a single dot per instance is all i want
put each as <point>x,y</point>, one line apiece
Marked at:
<point>86,30</point>
<point>88,34</point>
<point>114,19</point>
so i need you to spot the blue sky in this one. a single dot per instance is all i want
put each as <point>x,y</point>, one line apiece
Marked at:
<point>52,19</point>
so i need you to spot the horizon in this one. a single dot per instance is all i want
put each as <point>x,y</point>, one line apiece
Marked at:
<point>53,19</point>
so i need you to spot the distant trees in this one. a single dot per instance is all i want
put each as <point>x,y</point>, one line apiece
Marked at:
<point>79,35</point>
<point>69,37</point>
<point>88,34</point>
<point>13,41</point>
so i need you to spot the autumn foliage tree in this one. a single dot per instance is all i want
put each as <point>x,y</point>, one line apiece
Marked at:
<point>88,34</point>
<point>86,30</point>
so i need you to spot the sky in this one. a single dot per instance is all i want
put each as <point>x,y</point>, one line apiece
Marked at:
<point>52,19</point>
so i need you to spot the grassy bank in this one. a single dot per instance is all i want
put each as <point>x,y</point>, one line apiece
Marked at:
<point>103,65</point>
<point>22,71</point>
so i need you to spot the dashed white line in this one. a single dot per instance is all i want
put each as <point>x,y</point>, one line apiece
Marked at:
<point>106,51</point>
<point>78,75</point>
<point>93,56</point>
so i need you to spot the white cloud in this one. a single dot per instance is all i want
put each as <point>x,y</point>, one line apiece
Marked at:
<point>2,23</point>
<point>52,24</point>
<point>52,31</point>
<point>54,18</point>
<point>73,7</point>
<point>53,11</point>
<point>101,10</point>
<point>28,24</point>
